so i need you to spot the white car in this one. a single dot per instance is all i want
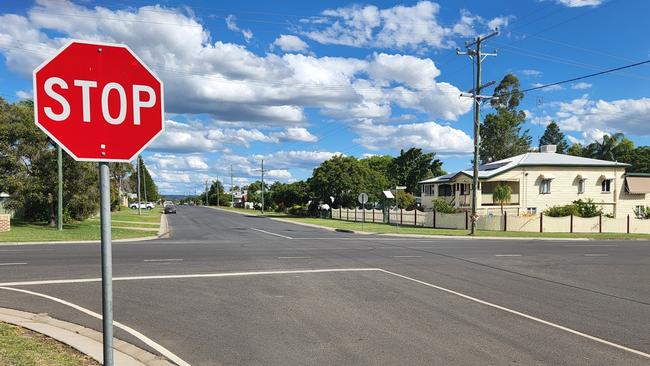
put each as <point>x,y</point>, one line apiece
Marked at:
<point>168,203</point>
<point>145,205</point>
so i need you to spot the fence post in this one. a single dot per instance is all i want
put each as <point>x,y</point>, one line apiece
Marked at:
<point>600,223</point>
<point>571,224</point>
<point>434,218</point>
<point>340,213</point>
<point>401,217</point>
<point>505,221</point>
<point>415,217</point>
<point>355,213</point>
<point>373,214</point>
<point>347,214</point>
<point>628,223</point>
<point>541,222</point>
<point>466,220</point>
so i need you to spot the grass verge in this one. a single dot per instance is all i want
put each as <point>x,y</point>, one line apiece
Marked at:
<point>252,212</point>
<point>22,231</point>
<point>22,347</point>
<point>392,229</point>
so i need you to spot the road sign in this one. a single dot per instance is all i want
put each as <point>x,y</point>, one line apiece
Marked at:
<point>363,198</point>
<point>98,101</point>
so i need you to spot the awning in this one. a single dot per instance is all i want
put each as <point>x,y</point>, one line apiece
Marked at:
<point>547,176</point>
<point>580,177</point>
<point>637,185</point>
<point>606,177</point>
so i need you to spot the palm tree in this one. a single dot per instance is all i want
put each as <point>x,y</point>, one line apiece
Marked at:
<point>606,149</point>
<point>502,194</point>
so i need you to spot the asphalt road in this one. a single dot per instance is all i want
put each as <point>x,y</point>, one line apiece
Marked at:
<point>327,298</point>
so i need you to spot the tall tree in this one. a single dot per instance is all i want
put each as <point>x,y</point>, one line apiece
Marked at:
<point>290,194</point>
<point>341,177</point>
<point>576,150</point>
<point>640,160</point>
<point>412,166</point>
<point>145,181</point>
<point>501,132</point>
<point>554,136</point>
<point>379,178</point>
<point>615,147</point>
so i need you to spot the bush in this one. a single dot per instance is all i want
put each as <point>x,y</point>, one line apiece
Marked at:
<point>442,206</point>
<point>644,213</point>
<point>298,210</point>
<point>580,208</point>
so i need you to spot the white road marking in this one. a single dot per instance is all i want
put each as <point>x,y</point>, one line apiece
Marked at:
<point>270,233</point>
<point>164,260</point>
<point>201,275</point>
<point>148,341</point>
<point>294,257</point>
<point>518,313</point>
<point>596,255</point>
<point>591,245</point>
<point>507,255</point>
<point>407,256</point>
<point>13,264</point>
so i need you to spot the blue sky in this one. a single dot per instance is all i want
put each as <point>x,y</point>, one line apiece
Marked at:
<point>295,82</point>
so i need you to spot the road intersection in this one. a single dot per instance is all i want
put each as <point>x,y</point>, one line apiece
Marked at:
<point>227,288</point>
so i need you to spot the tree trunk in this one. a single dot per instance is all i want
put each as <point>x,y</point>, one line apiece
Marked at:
<point>52,212</point>
<point>501,208</point>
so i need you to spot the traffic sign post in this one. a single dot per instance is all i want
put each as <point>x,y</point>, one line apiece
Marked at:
<point>100,103</point>
<point>363,199</point>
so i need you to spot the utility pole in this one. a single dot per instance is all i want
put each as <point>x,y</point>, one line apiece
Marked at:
<point>477,57</point>
<point>207,203</point>
<point>232,192</point>
<point>139,200</point>
<point>144,183</point>
<point>218,189</point>
<point>59,211</point>
<point>262,186</point>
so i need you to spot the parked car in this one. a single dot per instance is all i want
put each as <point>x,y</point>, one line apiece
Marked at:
<point>170,209</point>
<point>144,205</point>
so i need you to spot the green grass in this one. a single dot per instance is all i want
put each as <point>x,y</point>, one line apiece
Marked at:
<point>392,229</point>
<point>21,347</point>
<point>22,231</point>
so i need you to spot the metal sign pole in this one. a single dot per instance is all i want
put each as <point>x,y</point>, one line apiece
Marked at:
<point>107,262</point>
<point>59,211</point>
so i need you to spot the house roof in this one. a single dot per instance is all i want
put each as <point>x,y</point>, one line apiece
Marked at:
<point>528,159</point>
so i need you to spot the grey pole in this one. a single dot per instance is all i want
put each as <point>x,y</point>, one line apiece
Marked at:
<point>107,262</point>
<point>232,192</point>
<point>59,211</point>
<point>144,182</point>
<point>138,168</point>
<point>218,189</point>
<point>207,203</point>
<point>262,186</point>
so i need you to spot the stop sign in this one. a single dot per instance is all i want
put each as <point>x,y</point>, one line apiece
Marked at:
<point>98,101</point>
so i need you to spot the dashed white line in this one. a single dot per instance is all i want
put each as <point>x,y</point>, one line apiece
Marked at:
<point>507,255</point>
<point>407,256</point>
<point>596,255</point>
<point>294,257</point>
<point>13,264</point>
<point>164,260</point>
<point>518,313</point>
<point>270,233</point>
<point>148,341</point>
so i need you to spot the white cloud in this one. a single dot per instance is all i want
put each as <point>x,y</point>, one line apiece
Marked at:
<point>162,162</point>
<point>591,116</point>
<point>21,94</point>
<point>183,138</point>
<point>231,23</point>
<point>550,88</point>
<point>296,159</point>
<point>290,43</point>
<point>581,85</point>
<point>531,72</point>
<point>295,134</point>
<point>429,136</point>
<point>579,3</point>
<point>226,80</point>
<point>401,27</point>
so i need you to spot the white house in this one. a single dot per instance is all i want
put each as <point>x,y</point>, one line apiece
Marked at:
<point>543,179</point>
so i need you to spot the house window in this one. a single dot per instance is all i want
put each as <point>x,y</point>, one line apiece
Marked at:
<point>581,186</point>
<point>606,185</point>
<point>639,211</point>
<point>545,186</point>
<point>531,210</point>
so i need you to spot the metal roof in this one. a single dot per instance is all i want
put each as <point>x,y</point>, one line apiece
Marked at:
<point>528,159</point>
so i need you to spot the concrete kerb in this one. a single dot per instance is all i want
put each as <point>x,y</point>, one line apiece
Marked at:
<point>85,340</point>
<point>163,232</point>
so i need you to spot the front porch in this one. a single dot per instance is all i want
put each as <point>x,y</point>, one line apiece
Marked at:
<point>459,194</point>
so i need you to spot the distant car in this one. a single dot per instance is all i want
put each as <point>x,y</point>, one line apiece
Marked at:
<point>170,209</point>
<point>167,203</point>
<point>145,205</point>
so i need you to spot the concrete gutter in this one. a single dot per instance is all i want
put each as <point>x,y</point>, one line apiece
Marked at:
<point>163,232</point>
<point>85,340</point>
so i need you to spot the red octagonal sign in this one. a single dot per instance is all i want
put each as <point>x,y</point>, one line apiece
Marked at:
<point>98,101</point>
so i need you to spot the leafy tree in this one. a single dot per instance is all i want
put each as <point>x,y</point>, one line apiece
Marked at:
<point>405,200</point>
<point>145,182</point>
<point>412,166</point>
<point>119,182</point>
<point>554,136</point>
<point>501,134</point>
<point>28,170</point>
<point>576,150</point>
<point>640,160</point>
<point>255,194</point>
<point>216,193</point>
<point>379,178</point>
<point>342,177</point>
<point>613,148</point>
<point>291,194</point>
<point>502,195</point>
